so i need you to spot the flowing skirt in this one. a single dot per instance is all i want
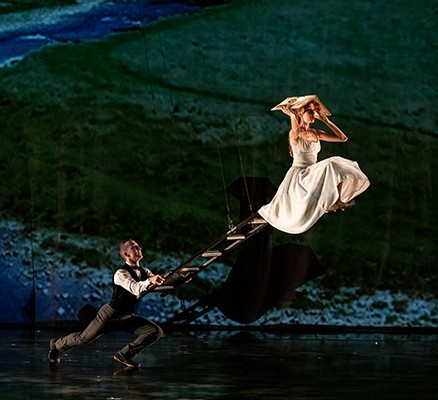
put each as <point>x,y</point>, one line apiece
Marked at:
<point>306,194</point>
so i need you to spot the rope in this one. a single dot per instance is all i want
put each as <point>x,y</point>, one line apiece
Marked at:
<point>171,99</point>
<point>248,197</point>
<point>238,146</point>
<point>180,147</point>
<point>230,221</point>
<point>151,92</point>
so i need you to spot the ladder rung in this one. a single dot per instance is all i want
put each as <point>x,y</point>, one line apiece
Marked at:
<point>168,287</point>
<point>212,253</point>
<point>258,221</point>
<point>236,236</point>
<point>189,269</point>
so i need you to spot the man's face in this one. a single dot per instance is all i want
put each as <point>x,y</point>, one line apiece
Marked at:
<point>133,252</point>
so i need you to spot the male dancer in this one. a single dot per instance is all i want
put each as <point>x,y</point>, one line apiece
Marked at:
<point>131,281</point>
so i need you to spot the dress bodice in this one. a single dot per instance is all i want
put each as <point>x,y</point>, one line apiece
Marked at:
<point>305,153</point>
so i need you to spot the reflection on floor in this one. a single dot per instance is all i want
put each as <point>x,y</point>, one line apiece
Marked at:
<point>225,365</point>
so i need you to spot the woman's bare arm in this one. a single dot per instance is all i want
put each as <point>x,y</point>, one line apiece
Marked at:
<point>294,125</point>
<point>335,134</point>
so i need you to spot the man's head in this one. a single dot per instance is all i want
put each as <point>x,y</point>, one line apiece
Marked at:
<point>130,252</point>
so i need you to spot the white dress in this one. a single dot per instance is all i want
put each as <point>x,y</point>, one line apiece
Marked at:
<point>309,188</point>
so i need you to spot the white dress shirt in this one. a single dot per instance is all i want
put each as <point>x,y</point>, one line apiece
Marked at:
<point>124,279</point>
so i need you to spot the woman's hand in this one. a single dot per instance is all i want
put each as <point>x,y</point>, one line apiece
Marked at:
<point>287,110</point>
<point>322,117</point>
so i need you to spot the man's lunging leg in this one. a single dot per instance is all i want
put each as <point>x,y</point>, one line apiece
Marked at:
<point>94,329</point>
<point>147,333</point>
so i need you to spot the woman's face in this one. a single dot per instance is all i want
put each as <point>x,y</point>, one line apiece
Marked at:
<point>309,113</point>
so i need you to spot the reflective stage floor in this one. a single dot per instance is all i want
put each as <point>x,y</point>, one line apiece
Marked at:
<point>225,365</point>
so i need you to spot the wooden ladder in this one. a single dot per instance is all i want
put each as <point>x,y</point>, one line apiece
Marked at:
<point>197,263</point>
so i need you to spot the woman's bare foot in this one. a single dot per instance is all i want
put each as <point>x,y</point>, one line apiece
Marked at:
<point>341,206</point>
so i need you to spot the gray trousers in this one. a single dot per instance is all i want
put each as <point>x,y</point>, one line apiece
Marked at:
<point>107,320</point>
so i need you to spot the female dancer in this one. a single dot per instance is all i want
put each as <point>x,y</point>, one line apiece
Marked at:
<point>312,188</point>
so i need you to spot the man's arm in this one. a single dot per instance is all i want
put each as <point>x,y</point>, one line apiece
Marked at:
<point>125,280</point>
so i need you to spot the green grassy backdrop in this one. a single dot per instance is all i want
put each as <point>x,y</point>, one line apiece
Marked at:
<point>123,137</point>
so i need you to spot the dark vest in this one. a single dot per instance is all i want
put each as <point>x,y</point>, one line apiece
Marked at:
<point>123,301</point>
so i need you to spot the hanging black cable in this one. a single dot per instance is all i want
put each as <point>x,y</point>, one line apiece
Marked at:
<point>29,310</point>
<point>32,301</point>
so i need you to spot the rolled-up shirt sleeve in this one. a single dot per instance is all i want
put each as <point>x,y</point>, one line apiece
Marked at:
<point>125,280</point>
